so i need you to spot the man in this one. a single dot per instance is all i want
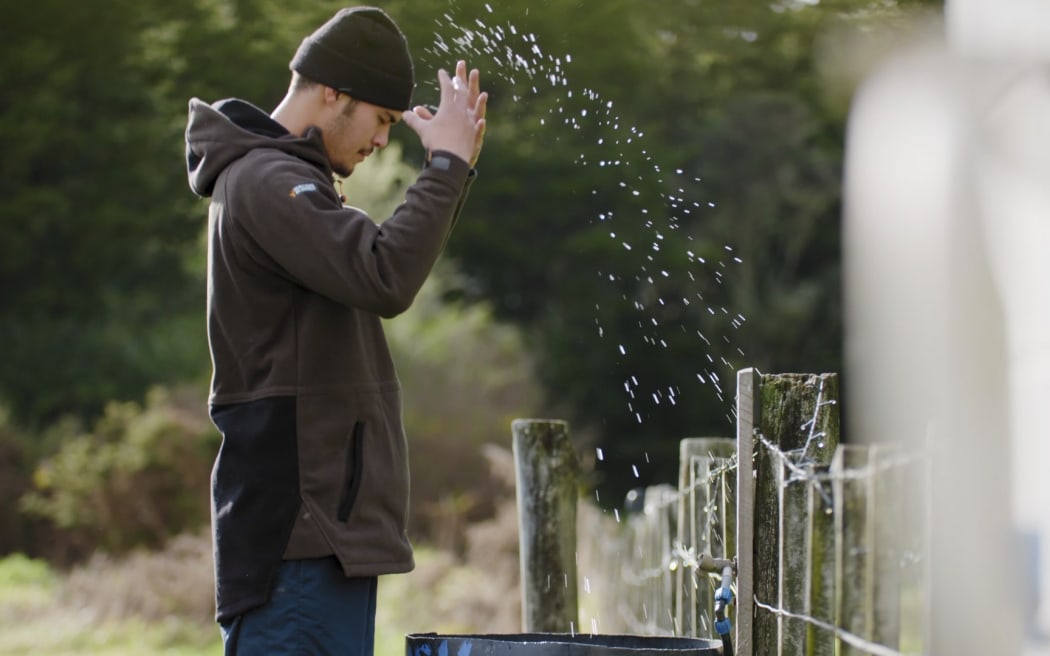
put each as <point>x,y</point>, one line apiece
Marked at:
<point>310,485</point>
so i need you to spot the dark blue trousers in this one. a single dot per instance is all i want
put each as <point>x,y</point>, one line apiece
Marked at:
<point>315,611</point>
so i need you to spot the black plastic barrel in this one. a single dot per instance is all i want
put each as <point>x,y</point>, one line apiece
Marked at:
<point>556,644</point>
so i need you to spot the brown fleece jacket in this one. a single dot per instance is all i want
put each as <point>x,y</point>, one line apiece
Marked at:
<point>314,457</point>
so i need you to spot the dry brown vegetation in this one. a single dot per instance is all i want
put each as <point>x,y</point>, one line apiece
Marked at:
<point>476,590</point>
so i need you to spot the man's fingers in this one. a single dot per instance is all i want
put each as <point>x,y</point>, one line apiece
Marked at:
<point>481,106</point>
<point>446,87</point>
<point>457,124</point>
<point>413,120</point>
<point>460,84</point>
<point>474,84</point>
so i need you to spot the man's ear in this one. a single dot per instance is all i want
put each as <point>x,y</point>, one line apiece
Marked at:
<point>331,96</point>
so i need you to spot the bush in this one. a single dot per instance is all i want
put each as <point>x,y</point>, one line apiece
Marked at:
<point>147,585</point>
<point>140,477</point>
<point>22,576</point>
<point>15,477</point>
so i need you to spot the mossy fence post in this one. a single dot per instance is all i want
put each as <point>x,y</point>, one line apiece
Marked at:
<point>870,548</point>
<point>787,431</point>
<point>547,490</point>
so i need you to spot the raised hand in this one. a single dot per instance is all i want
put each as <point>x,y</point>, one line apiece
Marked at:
<point>459,124</point>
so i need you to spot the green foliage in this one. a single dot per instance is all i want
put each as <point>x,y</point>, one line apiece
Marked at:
<point>139,477</point>
<point>682,127</point>
<point>658,203</point>
<point>22,577</point>
<point>15,470</point>
<point>92,231</point>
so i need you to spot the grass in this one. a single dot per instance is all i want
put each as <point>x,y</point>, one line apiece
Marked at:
<point>37,618</point>
<point>24,583</point>
<point>62,634</point>
<point>159,604</point>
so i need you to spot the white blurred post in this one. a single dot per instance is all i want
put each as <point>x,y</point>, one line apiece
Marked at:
<point>947,256</point>
<point>1013,183</point>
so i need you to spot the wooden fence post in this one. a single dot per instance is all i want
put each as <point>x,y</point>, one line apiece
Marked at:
<point>798,421</point>
<point>810,589</point>
<point>868,504</point>
<point>706,525</point>
<point>853,524</point>
<point>547,490</point>
<point>748,382</point>
<point>823,565</point>
<point>888,488</point>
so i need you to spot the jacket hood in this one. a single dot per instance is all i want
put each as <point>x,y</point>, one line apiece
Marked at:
<point>221,133</point>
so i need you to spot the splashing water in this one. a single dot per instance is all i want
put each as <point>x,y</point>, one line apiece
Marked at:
<point>516,57</point>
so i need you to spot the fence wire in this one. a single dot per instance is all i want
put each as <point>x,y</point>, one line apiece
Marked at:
<point>653,561</point>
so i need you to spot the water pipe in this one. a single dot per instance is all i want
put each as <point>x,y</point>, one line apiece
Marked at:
<point>723,596</point>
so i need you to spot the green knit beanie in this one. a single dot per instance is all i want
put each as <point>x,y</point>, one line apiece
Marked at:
<point>361,52</point>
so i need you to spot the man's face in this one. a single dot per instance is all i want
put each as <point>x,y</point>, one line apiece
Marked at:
<point>354,130</point>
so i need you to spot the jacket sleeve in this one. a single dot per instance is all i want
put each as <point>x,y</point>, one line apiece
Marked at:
<point>294,224</point>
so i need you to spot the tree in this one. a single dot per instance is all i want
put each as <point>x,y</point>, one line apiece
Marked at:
<point>101,249</point>
<point>660,204</point>
<point>93,242</point>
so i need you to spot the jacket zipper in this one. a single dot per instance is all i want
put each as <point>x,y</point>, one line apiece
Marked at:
<point>354,467</point>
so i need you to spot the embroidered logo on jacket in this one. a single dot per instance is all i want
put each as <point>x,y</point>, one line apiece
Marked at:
<point>302,189</point>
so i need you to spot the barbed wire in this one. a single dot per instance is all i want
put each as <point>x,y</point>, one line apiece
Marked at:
<point>845,636</point>
<point>663,572</point>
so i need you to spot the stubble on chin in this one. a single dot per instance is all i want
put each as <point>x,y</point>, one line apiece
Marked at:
<point>342,170</point>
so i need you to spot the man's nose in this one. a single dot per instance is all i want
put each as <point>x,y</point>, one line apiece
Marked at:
<point>382,138</point>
